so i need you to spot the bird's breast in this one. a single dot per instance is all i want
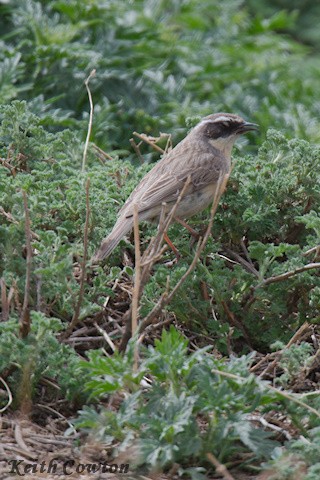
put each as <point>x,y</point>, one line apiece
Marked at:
<point>195,202</point>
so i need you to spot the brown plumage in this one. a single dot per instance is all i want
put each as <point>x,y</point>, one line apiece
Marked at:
<point>204,155</point>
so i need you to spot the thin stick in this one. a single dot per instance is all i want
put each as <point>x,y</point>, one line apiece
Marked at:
<point>9,396</point>
<point>84,158</point>
<point>284,276</point>
<point>169,142</point>
<point>105,336</point>
<point>137,275</point>
<point>166,298</point>
<point>235,322</point>
<point>149,142</point>
<point>151,255</point>
<point>25,322</point>
<point>154,250</point>
<point>220,468</point>
<point>11,219</point>
<point>4,300</point>
<point>101,152</point>
<point>75,318</point>
<point>136,149</point>
<point>222,182</point>
<point>8,166</point>
<point>311,250</point>
<point>137,284</point>
<point>248,265</point>
<point>278,354</point>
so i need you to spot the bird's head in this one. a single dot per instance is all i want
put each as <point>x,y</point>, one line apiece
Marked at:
<point>222,130</point>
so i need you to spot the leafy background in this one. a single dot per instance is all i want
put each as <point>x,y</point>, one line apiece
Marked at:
<point>160,66</point>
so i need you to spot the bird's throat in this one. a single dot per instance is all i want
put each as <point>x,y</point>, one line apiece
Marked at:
<point>224,145</point>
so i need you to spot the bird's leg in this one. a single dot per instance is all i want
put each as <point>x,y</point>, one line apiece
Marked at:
<point>173,248</point>
<point>193,232</point>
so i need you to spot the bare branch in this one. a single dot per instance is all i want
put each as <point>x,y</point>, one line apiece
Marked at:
<point>4,300</point>
<point>166,298</point>
<point>248,266</point>
<point>220,468</point>
<point>315,249</point>
<point>136,148</point>
<point>146,139</point>
<point>294,339</point>
<point>11,219</point>
<point>137,274</point>
<point>9,396</point>
<point>150,256</point>
<point>285,276</point>
<point>75,318</point>
<point>6,164</point>
<point>25,314</point>
<point>84,158</point>
<point>105,336</point>
<point>101,153</point>
<point>235,322</point>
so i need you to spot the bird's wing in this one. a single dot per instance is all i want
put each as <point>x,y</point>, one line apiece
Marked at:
<point>165,182</point>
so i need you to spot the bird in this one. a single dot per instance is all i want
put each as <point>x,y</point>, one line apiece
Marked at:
<point>201,158</point>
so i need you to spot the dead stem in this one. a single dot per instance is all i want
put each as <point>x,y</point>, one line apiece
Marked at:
<point>75,318</point>
<point>85,150</point>
<point>220,468</point>
<point>166,298</point>
<point>25,322</point>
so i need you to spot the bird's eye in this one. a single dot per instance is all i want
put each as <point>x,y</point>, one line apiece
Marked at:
<point>225,124</point>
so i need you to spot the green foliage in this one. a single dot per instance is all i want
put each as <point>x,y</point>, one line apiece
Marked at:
<point>157,63</point>
<point>271,201</point>
<point>293,361</point>
<point>116,373</point>
<point>303,14</point>
<point>301,458</point>
<point>272,196</point>
<point>47,167</point>
<point>29,143</point>
<point>39,355</point>
<point>160,65</point>
<point>185,411</point>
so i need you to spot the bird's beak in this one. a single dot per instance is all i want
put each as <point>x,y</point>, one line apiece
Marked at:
<point>247,127</point>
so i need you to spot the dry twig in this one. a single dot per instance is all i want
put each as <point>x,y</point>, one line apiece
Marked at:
<point>4,300</point>
<point>137,275</point>
<point>220,468</point>
<point>6,164</point>
<point>278,354</point>
<point>85,150</point>
<point>151,255</point>
<point>105,336</point>
<point>136,148</point>
<point>25,314</point>
<point>286,275</point>
<point>9,396</point>
<point>20,441</point>
<point>166,298</point>
<point>146,139</point>
<point>11,219</point>
<point>75,318</point>
<point>101,153</point>
<point>315,250</point>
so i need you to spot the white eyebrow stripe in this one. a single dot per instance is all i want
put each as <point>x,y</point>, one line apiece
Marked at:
<point>222,118</point>
<point>203,122</point>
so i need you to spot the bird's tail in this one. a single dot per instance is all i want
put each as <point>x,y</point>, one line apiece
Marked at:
<point>109,243</point>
